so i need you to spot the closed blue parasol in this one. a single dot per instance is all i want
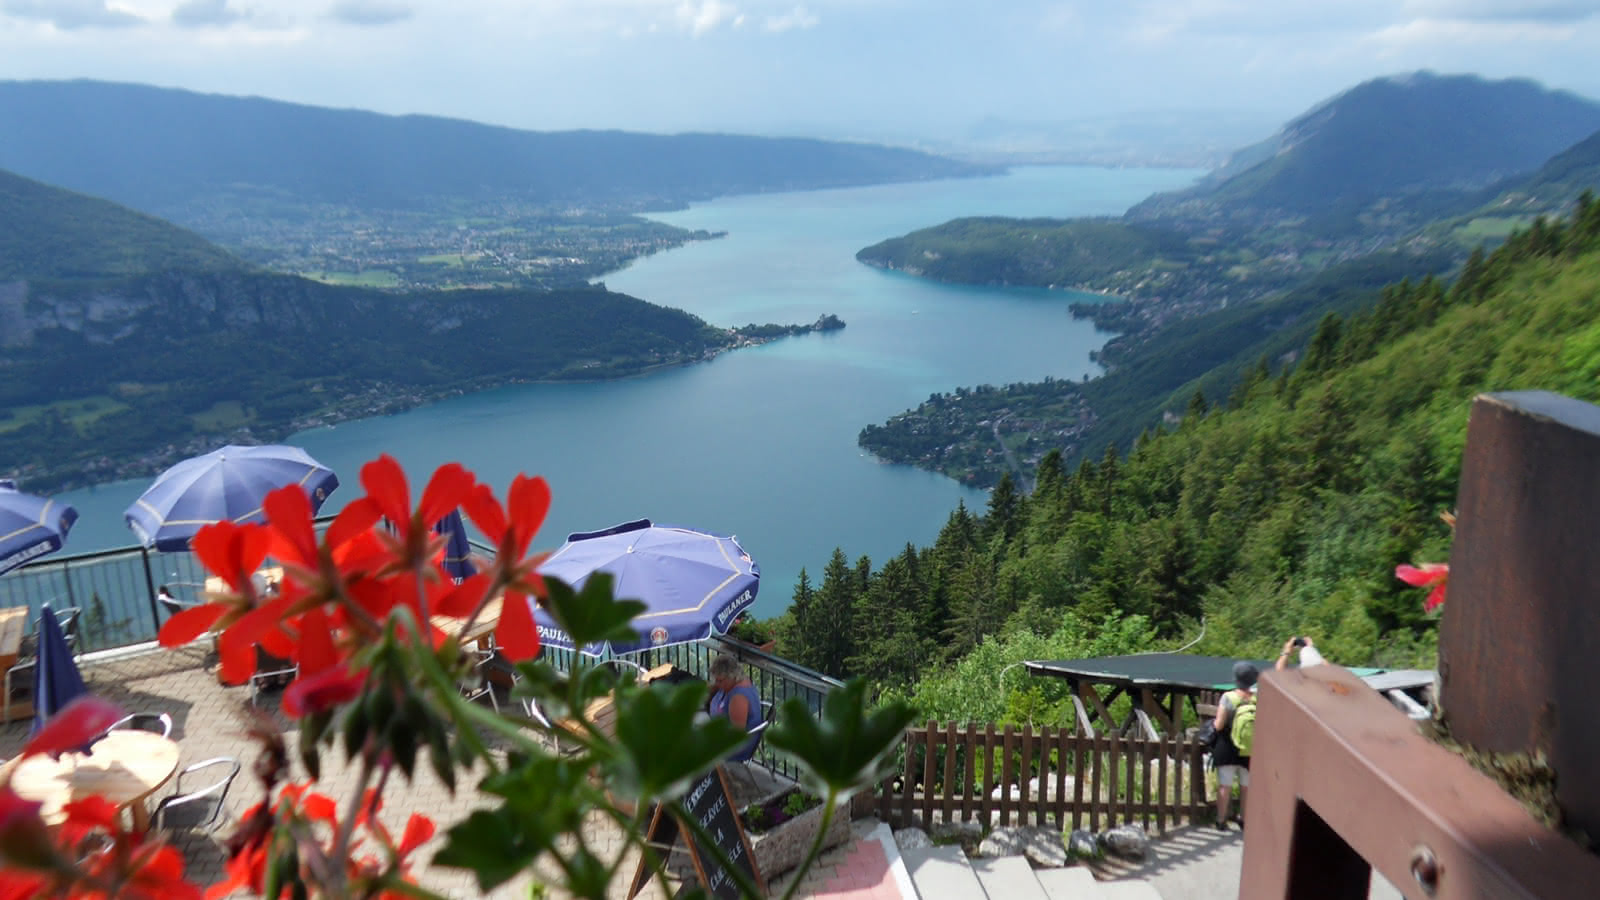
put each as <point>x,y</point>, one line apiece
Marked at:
<point>223,485</point>
<point>56,680</point>
<point>457,547</point>
<point>693,583</point>
<point>30,526</point>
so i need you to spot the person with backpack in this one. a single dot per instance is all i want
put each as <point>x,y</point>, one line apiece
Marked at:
<point>1235,725</point>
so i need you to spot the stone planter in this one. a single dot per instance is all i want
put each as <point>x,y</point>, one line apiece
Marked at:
<point>784,846</point>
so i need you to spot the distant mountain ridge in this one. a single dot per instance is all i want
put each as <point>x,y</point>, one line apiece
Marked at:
<point>1388,138</point>
<point>170,151</point>
<point>47,232</point>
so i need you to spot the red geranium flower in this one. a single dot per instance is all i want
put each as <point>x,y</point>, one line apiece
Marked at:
<point>1435,574</point>
<point>234,552</point>
<point>512,528</point>
<point>324,690</point>
<point>78,723</point>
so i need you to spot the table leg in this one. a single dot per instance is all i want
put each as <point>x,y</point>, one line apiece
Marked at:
<point>140,816</point>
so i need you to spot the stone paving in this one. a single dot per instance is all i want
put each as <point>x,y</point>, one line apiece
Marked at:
<point>209,721</point>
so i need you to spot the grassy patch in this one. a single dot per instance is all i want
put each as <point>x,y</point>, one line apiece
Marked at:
<point>221,416</point>
<point>79,413</point>
<point>369,278</point>
<point>456,260</point>
<point>1491,228</point>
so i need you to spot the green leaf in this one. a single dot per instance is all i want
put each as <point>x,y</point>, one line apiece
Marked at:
<point>492,845</point>
<point>846,749</point>
<point>594,614</point>
<point>661,748</point>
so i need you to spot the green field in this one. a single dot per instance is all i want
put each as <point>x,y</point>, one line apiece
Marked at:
<point>79,413</point>
<point>221,416</point>
<point>456,260</point>
<point>1491,228</point>
<point>381,278</point>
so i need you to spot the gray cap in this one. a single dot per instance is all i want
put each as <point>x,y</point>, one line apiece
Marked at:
<point>1244,674</point>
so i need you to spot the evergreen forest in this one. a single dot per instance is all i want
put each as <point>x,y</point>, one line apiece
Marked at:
<point>1280,509</point>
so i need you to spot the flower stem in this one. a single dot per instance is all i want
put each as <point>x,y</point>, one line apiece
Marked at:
<point>816,844</point>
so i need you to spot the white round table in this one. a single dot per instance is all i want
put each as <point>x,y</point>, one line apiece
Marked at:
<point>124,767</point>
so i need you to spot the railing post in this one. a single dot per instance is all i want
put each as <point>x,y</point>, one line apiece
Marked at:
<point>1517,658</point>
<point>150,589</point>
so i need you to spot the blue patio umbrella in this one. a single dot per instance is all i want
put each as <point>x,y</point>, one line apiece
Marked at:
<point>693,583</point>
<point>30,526</point>
<point>457,547</point>
<point>227,484</point>
<point>56,680</point>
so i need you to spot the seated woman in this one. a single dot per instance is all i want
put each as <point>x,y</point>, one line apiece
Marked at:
<point>735,697</point>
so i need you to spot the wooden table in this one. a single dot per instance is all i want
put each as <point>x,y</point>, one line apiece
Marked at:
<point>124,767</point>
<point>13,626</point>
<point>481,628</point>
<point>216,585</point>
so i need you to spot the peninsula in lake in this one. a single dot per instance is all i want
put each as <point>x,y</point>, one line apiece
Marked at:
<point>1395,178</point>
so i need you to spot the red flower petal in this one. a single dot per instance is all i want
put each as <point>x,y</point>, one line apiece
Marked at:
<point>288,512</point>
<point>357,517</point>
<point>322,691</point>
<point>419,829</point>
<point>189,624</point>
<point>463,598</point>
<point>1435,597</point>
<point>386,485</point>
<point>528,502</point>
<point>78,723</point>
<point>485,512</point>
<point>1422,576</point>
<point>446,490</point>
<point>315,651</point>
<point>320,807</point>
<point>516,634</point>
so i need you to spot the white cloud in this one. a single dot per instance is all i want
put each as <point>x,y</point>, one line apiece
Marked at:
<point>1456,32</point>
<point>369,12</point>
<point>71,14</point>
<point>707,15</point>
<point>797,18</point>
<point>204,13</point>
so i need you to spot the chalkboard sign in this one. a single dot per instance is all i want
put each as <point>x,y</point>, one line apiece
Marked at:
<point>711,804</point>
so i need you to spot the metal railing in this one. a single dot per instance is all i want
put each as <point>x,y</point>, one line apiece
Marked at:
<point>116,590</point>
<point>776,679</point>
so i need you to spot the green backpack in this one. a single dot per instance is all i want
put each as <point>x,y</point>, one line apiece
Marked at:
<point>1243,728</point>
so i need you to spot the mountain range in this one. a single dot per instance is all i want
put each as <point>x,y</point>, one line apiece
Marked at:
<point>180,155</point>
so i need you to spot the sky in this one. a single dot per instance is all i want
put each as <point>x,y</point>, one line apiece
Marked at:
<point>899,70</point>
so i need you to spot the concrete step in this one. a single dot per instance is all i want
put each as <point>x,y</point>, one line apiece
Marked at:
<point>942,873</point>
<point>1129,889</point>
<point>1071,883</point>
<point>1008,878</point>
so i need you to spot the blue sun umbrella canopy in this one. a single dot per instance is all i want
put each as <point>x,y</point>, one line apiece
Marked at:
<point>693,583</point>
<point>56,679</point>
<point>457,547</point>
<point>223,485</point>
<point>30,526</point>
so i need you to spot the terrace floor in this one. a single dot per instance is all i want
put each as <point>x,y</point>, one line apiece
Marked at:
<point>208,721</point>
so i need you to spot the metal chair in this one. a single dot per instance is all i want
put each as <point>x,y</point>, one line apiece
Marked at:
<point>155,723</point>
<point>271,671</point>
<point>28,654</point>
<point>198,810</point>
<point>479,685</point>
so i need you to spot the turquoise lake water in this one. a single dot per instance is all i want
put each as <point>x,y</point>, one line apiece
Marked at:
<point>759,442</point>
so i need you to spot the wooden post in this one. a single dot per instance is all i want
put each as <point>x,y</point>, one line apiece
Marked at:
<point>1517,646</point>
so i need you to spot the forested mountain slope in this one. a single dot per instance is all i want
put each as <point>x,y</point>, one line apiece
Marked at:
<point>1284,513</point>
<point>46,232</point>
<point>178,154</point>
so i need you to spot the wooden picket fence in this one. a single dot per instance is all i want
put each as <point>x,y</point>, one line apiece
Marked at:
<point>954,773</point>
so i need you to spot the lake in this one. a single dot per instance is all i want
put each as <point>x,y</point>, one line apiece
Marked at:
<point>760,442</point>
